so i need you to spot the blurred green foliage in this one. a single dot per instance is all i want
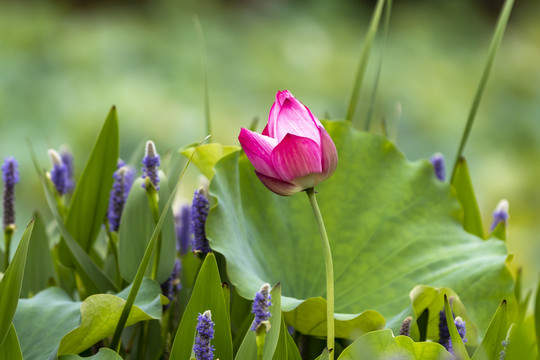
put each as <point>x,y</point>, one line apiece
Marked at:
<point>62,65</point>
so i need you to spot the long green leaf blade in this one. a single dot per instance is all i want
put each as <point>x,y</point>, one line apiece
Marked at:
<point>460,352</point>
<point>472,220</point>
<point>494,46</point>
<point>491,345</point>
<point>11,284</point>
<point>89,202</point>
<point>207,295</point>
<point>364,57</point>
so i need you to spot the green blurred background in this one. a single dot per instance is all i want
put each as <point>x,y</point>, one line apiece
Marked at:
<point>64,63</point>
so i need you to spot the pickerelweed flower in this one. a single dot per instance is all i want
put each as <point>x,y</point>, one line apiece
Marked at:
<point>172,285</point>
<point>437,160</point>
<point>500,214</point>
<point>123,179</point>
<point>294,151</point>
<point>183,229</point>
<point>199,213</point>
<point>261,303</point>
<point>406,326</point>
<point>205,333</point>
<point>10,176</point>
<point>460,326</point>
<point>67,159</point>
<point>59,172</point>
<point>151,162</point>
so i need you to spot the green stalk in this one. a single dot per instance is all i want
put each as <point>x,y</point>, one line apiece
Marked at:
<point>202,44</point>
<point>388,10</point>
<point>329,271</point>
<point>8,234</point>
<point>152,195</point>
<point>493,48</point>
<point>364,57</point>
<point>259,338</point>
<point>115,344</point>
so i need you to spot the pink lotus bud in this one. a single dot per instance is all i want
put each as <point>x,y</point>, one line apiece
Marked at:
<point>294,151</point>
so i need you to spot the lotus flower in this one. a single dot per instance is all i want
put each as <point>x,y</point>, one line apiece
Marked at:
<point>294,151</point>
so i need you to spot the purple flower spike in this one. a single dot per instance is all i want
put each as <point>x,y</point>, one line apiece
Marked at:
<point>59,172</point>
<point>183,231</point>
<point>151,162</point>
<point>123,179</point>
<point>437,161</point>
<point>500,214</point>
<point>261,303</point>
<point>10,176</point>
<point>67,160</point>
<point>205,332</point>
<point>199,213</point>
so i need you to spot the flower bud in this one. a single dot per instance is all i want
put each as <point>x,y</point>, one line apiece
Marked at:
<point>500,214</point>
<point>151,162</point>
<point>294,151</point>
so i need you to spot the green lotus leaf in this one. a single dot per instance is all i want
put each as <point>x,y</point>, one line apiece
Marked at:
<point>392,225</point>
<point>383,345</point>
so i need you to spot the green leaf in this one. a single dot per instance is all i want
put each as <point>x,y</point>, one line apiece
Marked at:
<point>248,348</point>
<point>11,284</point>
<point>100,314</point>
<point>391,224</point>
<point>383,345</point>
<point>39,265</point>
<point>472,220</point>
<point>103,354</point>
<point>460,352</point>
<point>349,327</point>
<point>136,230</point>
<point>207,295</point>
<point>88,205</point>
<point>208,155</point>
<point>491,346</point>
<point>11,349</point>
<point>44,320</point>
<point>537,313</point>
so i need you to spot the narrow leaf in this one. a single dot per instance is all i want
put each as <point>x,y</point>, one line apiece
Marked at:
<point>494,46</point>
<point>11,349</point>
<point>90,199</point>
<point>11,284</point>
<point>472,221</point>
<point>491,345</point>
<point>364,57</point>
<point>207,295</point>
<point>457,344</point>
<point>39,265</point>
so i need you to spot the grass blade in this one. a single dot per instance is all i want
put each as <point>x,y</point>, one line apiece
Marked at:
<point>364,57</point>
<point>495,43</point>
<point>388,10</point>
